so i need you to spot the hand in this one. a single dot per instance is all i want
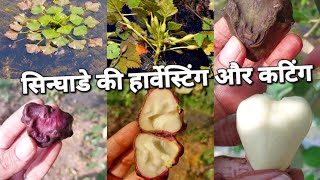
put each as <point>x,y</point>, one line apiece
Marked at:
<point>120,153</point>
<point>227,98</point>
<point>20,158</point>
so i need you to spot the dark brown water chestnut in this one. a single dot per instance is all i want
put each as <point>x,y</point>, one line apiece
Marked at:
<point>259,24</point>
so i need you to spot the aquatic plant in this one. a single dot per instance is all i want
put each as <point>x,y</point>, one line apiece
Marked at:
<point>48,28</point>
<point>150,26</point>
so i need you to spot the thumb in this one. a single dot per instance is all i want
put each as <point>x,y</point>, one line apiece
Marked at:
<point>234,50</point>
<point>17,156</point>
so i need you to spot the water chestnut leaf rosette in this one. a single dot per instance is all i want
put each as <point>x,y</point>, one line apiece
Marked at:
<point>49,26</point>
<point>150,28</point>
<point>156,147</point>
<point>46,125</point>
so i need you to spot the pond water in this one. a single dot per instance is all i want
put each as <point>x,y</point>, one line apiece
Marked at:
<point>14,59</point>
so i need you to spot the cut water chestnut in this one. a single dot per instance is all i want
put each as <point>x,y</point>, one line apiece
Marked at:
<point>156,148</point>
<point>259,24</point>
<point>154,155</point>
<point>46,125</point>
<point>161,113</point>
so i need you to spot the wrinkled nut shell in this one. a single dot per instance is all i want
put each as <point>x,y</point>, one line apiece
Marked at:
<point>46,125</point>
<point>259,24</point>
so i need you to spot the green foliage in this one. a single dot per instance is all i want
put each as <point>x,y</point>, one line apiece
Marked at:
<point>50,33</point>
<point>172,26</point>
<point>306,15</point>
<point>128,58</point>
<point>122,98</point>
<point>76,10</point>
<point>309,156</point>
<point>207,158</point>
<point>80,30</point>
<point>198,99</point>
<point>154,27</point>
<point>309,177</point>
<point>49,26</point>
<point>75,19</point>
<point>167,8</point>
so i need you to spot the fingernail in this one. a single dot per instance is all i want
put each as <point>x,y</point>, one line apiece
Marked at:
<point>281,177</point>
<point>24,149</point>
<point>230,52</point>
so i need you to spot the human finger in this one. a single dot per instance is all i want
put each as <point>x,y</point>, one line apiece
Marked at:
<point>122,165</point>
<point>13,126</point>
<point>121,141</point>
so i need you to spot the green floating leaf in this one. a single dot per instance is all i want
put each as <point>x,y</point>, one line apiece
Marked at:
<point>309,156</point>
<point>172,26</point>
<point>60,41</point>
<point>76,10</point>
<point>34,36</point>
<point>60,17</point>
<point>50,33</point>
<point>77,44</point>
<point>80,30</point>
<point>90,6</point>
<point>113,51</point>
<point>45,20</point>
<point>199,38</point>
<point>37,9</point>
<point>54,10</point>
<point>48,49</point>
<point>75,19</point>
<point>33,25</point>
<point>90,22</point>
<point>61,2</point>
<point>113,6</point>
<point>21,18</point>
<point>207,24</point>
<point>65,29</point>
<point>133,3</point>
<point>167,8</point>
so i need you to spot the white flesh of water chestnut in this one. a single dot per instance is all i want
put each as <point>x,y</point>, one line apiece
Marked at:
<point>271,131</point>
